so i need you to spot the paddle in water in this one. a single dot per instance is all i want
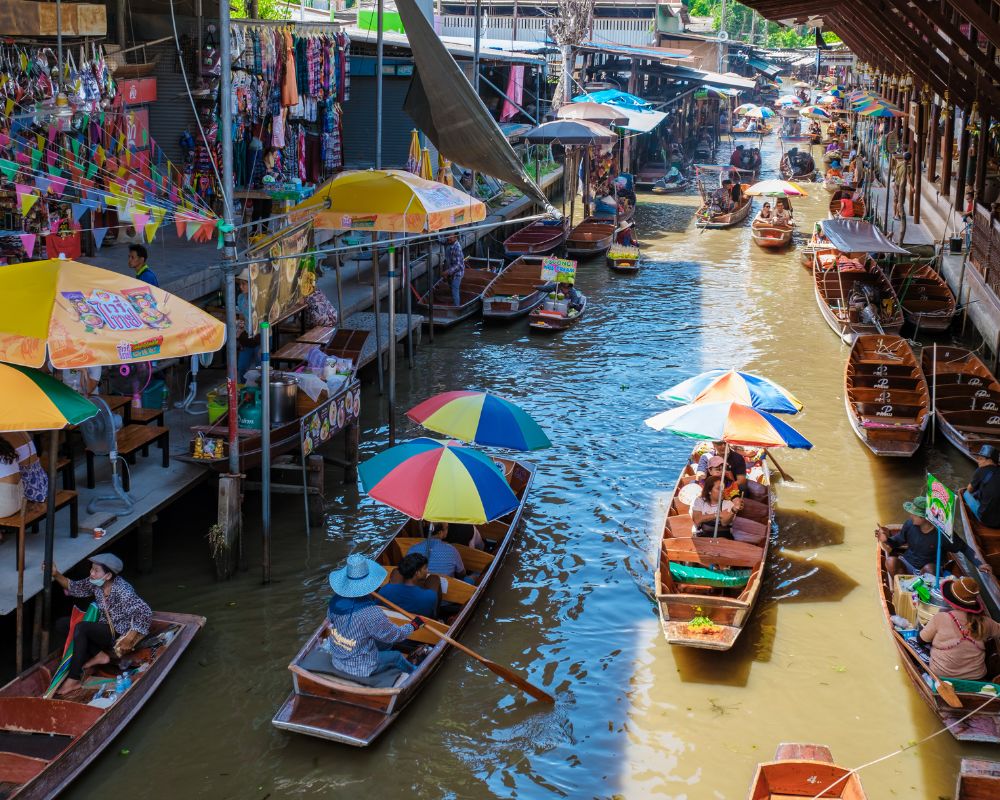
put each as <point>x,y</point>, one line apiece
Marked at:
<point>784,475</point>
<point>504,672</point>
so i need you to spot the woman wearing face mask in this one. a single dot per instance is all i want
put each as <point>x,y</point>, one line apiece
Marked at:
<point>124,619</point>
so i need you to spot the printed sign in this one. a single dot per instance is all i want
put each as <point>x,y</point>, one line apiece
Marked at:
<point>329,418</point>
<point>941,506</point>
<point>128,310</point>
<point>561,270</point>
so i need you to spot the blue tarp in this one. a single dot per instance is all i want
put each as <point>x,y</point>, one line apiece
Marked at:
<point>614,97</point>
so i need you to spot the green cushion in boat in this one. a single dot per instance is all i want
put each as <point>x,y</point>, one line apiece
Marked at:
<point>972,687</point>
<point>685,573</point>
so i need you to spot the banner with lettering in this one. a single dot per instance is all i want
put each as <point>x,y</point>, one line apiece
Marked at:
<point>330,417</point>
<point>941,506</point>
<point>275,286</point>
<point>560,270</point>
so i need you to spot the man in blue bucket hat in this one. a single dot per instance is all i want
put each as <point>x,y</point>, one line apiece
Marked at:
<point>361,636</point>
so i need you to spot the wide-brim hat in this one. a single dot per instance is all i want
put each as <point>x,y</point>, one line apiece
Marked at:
<point>962,594</point>
<point>359,577</point>
<point>988,451</point>
<point>109,562</point>
<point>917,506</point>
<point>244,275</point>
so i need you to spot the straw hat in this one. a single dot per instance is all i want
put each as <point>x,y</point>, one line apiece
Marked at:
<point>963,594</point>
<point>917,506</point>
<point>361,576</point>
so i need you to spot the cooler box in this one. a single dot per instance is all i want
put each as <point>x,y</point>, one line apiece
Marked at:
<point>155,395</point>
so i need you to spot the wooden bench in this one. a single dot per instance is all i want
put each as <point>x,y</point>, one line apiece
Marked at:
<point>474,560</point>
<point>321,335</point>
<point>64,467</point>
<point>132,439</point>
<point>143,416</point>
<point>32,513</point>
<point>718,552</point>
<point>293,352</point>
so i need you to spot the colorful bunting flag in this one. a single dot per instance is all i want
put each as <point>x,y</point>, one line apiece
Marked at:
<point>9,168</point>
<point>36,158</point>
<point>43,184</point>
<point>99,234</point>
<point>79,209</point>
<point>28,243</point>
<point>139,220</point>
<point>27,203</point>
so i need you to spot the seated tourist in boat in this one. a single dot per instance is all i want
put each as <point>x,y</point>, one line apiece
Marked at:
<point>914,549</point>
<point>814,129</point>
<point>753,126</point>
<point>958,635</point>
<point>782,211</point>
<point>409,586</point>
<point>834,170</point>
<point>736,462</point>
<point>361,636</point>
<point>736,159</point>
<point>461,533</point>
<point>982,495</point>
<point>454,269</point>
<point>765,212</point>
<point>722,198</point>
<point>736,190</point>
<point>731,488</point>
<point>706,506</point>
<point>442,558</point>
<point>124,618</point>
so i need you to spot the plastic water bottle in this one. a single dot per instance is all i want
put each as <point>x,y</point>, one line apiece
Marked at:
<point>120,684</point>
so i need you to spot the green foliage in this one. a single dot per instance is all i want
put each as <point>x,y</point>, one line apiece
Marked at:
<point>266,9</point>
<point>739,23</point>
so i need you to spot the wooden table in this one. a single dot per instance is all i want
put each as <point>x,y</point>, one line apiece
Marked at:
<point>118,402</point>
<point>293,352</point>
<point>321,334</point>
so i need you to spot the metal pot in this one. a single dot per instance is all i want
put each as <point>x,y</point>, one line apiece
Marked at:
<point>284,391</point>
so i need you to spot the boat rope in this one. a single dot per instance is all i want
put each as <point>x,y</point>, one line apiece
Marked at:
<point>901,750</point>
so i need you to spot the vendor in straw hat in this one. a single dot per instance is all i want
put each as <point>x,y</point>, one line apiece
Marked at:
<point>360,633</point>
<point>124,617</point>
<point>958,633</point>
<point>913,550</point>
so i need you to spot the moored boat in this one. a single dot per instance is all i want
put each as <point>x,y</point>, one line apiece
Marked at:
<point>437,305</point>
<point>624,259</point>
<point>705,218</point>
<point>517,290</point>
<point>592,237</point>
<point>856,298</point>
<point>985,543</point>
<point>329,705</point>
<point>927,301</point>
<point>767,234</point>
<point>46,743</point>
<point>966,397</point>
<point>837,208</point>
<point>706,587</point>
<point>978,780</point>
<point>802,771</point>
<point>886,396</point>
<point>975,718</point>
<point>540,237</point>
<point>649,173</point>
<point>799,172</point>
<point>552,321</point>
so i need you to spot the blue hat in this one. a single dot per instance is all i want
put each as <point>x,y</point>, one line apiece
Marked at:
<point>361,576</point>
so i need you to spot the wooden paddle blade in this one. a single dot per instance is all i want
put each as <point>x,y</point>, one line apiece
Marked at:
<point>784,475</point>
<point>944,689</point>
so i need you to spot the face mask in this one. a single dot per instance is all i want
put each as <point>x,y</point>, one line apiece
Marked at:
<point>98,581</point>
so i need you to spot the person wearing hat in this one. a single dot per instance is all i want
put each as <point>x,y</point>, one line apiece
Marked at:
<point>124,617</point>
<point>360,634</point>
<point>958,634</point>
<point>982,495</point>
<point>914,548</point>
<point>247,341</point>
<point>737,464</point>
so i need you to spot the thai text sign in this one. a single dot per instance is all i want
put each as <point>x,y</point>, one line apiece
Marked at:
<point>941,506</point>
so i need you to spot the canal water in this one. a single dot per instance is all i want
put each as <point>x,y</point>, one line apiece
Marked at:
<point>572,607</point>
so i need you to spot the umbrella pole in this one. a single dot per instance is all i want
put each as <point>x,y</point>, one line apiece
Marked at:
<point>377,307</point>
<point>340,289</point>
<point>407,284</point>
<point>573,185</point>
<point>19,658</point>
<point>722,488</point>
<point>392,345</point>
<point>50,540</point>
<point>265,448</point>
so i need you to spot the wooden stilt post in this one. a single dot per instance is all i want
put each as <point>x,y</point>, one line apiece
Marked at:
<point>314,479</point>
<point>352,441</point>
<point>231,522</point>
<point>963,162</point>
<point>949,146</point>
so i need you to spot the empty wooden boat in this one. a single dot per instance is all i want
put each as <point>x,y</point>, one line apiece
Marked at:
<point>985,543</point>
<point>925,296</point>
<point>330,706</point>
<point>856,299</point>
<point>801,771</point>
<point>538,238</point>
<point>46,743</point>
<point>706,588</point>
<point>517,290</point>
<point>649,173</point>
<point>625,260</point>
<point>978,780</point>
<point>705,218</point>
<point>966,397</point>
<point>886,396</point>
<point>769,235</point>
<point>973,720</point>
<point>592,237</point>
<point>553,321</point>
<point>437,306</point>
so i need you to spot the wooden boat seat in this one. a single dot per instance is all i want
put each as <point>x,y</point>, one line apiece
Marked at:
<point>896,412</point>
<point>474,560</point>
<point>749,531</point>
<point>708,552</point>
<point>317,662</point>
<point>680,525</point>
<point>17,769</point>
<point>881,368</point>
<point>891,396</point>
<point>886,382</point>
<point>37,715</point>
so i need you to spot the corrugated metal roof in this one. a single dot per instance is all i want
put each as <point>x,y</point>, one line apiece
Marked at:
<point>459,50</point>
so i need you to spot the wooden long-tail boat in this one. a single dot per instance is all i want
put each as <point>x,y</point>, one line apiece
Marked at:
<point>332,707</point>
<point>981,726</point>
<point>856,299</point>
<point>966,397</point>
<point>701,605</point>
<point>624,260</point>
<point>46,743</point>
<point>538,238</point>
<point>704,218</point>
<point>886,396</point>
<point>768,234</point>
<point>790,174</point>
<point>445,313</point>
<point>927,300</point>
<point>517,291</point>
<point>592,237</point>
<point>740,129</point>
<point>818,249</point>
<point>835,207</point>
<point>543,321</point>
<point>649,173</point>
<point>985,543</point>
<point>801,771</point>
<point>978,780</point>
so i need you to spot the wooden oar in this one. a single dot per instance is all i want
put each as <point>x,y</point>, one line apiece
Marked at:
<point>944,689</point>
<point>784,475</point>
<point>504,672</point>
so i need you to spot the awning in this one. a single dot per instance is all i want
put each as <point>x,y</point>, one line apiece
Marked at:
<point>456,49</point>
<point>641,116</point>
<point>766,67</point>
<point>715,79</point>
<point>857,236</point>
<point>642,121</point>
<point>651,53</point>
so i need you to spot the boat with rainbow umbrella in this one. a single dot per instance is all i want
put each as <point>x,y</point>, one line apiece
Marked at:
<point>481,417</point>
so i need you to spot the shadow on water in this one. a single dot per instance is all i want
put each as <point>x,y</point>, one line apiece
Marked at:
<point>800,529</point>
<point>798,578</point>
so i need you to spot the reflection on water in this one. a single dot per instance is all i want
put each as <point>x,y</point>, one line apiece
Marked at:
<point>572,605</point>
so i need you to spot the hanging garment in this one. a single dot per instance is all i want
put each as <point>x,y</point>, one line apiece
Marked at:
<point>289,90</point>
<point>515,91</point>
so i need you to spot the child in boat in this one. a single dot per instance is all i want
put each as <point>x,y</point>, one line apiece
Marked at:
<point>958,634</point>
<point>706,506</point>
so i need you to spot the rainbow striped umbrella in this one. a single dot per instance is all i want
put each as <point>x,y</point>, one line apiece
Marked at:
<point>482,418</point>
<point>776,188</point>
<point>881,111</point>
<point>743,109</point>
<point>759,112</point>
<point>439,482</point>
<point>33,401</point>
<point>789,100</point>
<point>814,112</point>
<point>731,423</point>
<point>719,385</point>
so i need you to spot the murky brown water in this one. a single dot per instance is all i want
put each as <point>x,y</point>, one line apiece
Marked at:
<point>572,607</point>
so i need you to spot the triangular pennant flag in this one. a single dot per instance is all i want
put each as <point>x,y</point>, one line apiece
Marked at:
<point>122,171</point>
<point>57,172</point>
<point>36,158</point>
<point>28,243</point>
<point>99,234</point>
<point>192,229</point>
<point>23,188</point>
<point>52,133</point>
<point>91,169</point>
<point>75,144</point>
<point>42,183</point>
<point>21,157</point>
<point>79,209</point>
<point>4,139</point>
<point>50,157</point>
<point>139,220</point>
<point>41,141</point>
<point>27,203</point>
<point>99,156</point>
<point>9,168</point>
<point>8,107</point>
<point>179,223</point>
<point>58,182</point>
<point>151,228</point>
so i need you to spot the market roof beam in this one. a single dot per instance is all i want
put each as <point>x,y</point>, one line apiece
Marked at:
<point>943,22</point>
<point>979,18</point>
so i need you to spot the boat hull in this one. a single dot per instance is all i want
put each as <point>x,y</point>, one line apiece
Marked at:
<point>516,292</point>
<point>725,220</point>
<point>539,322</point>
<point>538,238</point>
<point>592,237</point>
<point>442,313</point>
<point>828,289</point>
<point>799,771</point>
